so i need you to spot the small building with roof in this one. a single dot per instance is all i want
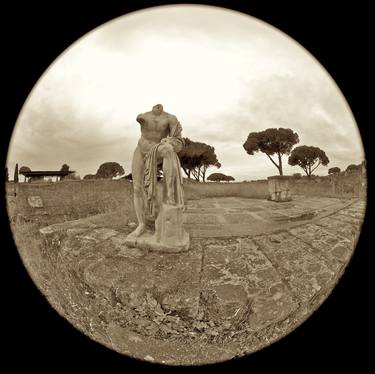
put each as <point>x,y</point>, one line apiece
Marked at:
<point>39,176</point>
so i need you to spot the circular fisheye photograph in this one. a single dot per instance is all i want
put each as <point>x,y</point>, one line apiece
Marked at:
<point>186,184</point>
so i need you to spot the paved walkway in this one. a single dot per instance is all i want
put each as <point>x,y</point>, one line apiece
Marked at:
<point>254,271</point>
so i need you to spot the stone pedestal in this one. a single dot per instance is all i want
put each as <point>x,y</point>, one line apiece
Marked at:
<point>169,235</point>
<point>278,187</point>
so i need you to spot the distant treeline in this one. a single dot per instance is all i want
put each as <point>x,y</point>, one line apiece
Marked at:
<point>197,157</point>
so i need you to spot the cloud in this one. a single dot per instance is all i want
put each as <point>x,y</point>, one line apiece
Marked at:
<point>222,73</point>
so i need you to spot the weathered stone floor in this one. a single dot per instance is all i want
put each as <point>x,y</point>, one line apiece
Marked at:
<point>262,270</point>
<point>233,216</point>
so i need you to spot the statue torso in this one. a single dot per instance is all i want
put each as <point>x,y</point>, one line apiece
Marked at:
<point>153,129</point>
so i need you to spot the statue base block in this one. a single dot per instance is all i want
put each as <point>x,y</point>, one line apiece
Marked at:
<point>279,189</point>
<point>169,235</point>
<point>148,242</point>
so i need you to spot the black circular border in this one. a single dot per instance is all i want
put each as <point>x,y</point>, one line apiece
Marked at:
<point>334,336</point>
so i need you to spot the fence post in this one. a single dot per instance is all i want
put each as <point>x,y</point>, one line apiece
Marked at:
<point>15,180</point>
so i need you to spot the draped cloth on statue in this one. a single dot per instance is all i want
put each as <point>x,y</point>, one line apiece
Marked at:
<point>151,170</point>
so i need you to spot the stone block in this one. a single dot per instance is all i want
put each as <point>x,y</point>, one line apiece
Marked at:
<point>169,236</point>
<point>278,187</point>
<point>241,286</point>
<point>35,201</point>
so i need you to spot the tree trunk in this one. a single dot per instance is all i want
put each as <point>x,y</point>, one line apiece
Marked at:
<point>204,174</point>
<point>199,173</point>
<point>280,165</point>
<point>187,172</point>
<point>195,174</point>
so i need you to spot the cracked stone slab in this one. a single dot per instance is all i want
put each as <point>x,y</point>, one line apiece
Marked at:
<point>341,216</point>
<point>353,214</point>
<point>295,215</point>
<point>172,279</point>
<point>325,243</point>
<point>303,271</point>
<point>348,230</point>
<point>241,286</point>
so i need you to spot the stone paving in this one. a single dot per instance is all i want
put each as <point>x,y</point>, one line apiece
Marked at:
<point>232,216</point>
<point>252,266</point>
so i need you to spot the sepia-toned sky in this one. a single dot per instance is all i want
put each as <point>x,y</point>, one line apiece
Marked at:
<point>223,74</point>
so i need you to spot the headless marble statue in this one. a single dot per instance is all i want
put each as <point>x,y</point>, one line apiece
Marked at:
<point>161,201</point>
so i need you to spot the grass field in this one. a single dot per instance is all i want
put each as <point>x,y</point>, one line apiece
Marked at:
<point>69,200</point>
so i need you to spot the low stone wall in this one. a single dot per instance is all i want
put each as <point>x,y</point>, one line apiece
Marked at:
<point>347,186</point>
<point>253,190</point>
